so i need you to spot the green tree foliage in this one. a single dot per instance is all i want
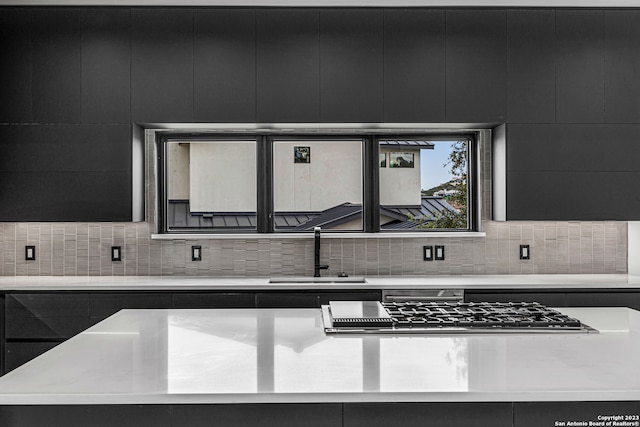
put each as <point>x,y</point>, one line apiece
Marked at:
<point>448,218</point>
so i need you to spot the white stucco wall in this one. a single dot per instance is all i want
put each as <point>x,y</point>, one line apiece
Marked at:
<point>400,186</point>
<point>223,176</point>
<point>333,177</point>
<point>178,171</point>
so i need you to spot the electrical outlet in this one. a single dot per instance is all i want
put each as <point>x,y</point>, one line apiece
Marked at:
<point>30,253</point>
<point>196,253</point>
<point>116,253</point>
<point>525,252</point>
<point>427,252</point>
<point>439,253</point>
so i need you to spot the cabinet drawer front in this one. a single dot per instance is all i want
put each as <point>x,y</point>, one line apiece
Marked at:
<point>19,353</point>
<point>104,305</point>
<point>47,305</point>
<point>45,327</point>
<point>214,300</point>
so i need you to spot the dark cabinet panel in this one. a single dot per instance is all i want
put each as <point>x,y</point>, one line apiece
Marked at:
<point>85,415</point>
<point>351,65</point>
<point>19,353</point>
<point>604,299</point>
<point>563,147</point>
<point>56,65</point>
<point>288,65</point>
<point>551,299</point>
<point>225,66</point>
<point>37,305</point>
<point>580,66</point>
<point>414,66</point>
<point>162,65</point>
<point>476,66</point>
<point>106,65</point>
<point>65,196</point>
<point>104,305</point>
<point>250,415</point>
<point>65,148</point>
<point>531,66</point>
<point>15,65</point>
<point>447,414</point>
<point>214,300</point>
<point>622,66</point>
<point>287,300</point>
<point>537,414</point>
<point>551,195</point>
<point>45,328</point>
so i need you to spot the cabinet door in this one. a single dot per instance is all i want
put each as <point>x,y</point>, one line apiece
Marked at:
<point>225,65</point>
<point>537,414</point>
<point>580,66</point>
<point>19,353</point>
<point>86,415</point>
<point>287,300</point>
<point>15,65</point>
<point>622,66</point>
<point>325,297</point>
<point>476,66</point>
<point>56,72</point>
<point>45,316</point>
<point>351,65</point>
<point>604,299</point>
<point>531,66</point>
<point>427,414</point>
<point>288,65</point>
<point>162,65</point>
<point>259,415</point>
<point>106,65</point>
<point>103,305</point>
<point>414,66</point>
<point>214,300</point>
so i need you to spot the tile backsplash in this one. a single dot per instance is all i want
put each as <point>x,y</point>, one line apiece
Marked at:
<point>84,249</point>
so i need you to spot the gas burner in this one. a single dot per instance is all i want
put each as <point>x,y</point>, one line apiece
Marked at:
<point>443,317</point>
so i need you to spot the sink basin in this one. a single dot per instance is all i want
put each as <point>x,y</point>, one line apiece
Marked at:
<point>327,279</point>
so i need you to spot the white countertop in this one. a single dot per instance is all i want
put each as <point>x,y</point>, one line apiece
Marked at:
<point>283,355</point>
<point>151,283</point>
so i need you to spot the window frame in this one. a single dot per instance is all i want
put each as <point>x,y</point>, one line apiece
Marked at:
<point>265,223</point>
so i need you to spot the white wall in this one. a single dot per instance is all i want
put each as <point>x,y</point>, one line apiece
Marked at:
<point>178,171</point>
<point>223,176</point>
<point>333,177</point>
<point>400,186</point>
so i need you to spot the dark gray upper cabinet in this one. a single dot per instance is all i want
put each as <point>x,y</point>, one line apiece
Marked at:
<point>622,66</point>
<point>414,66</point>
<point>573,172</point>
<point>288,65</point>
<point>531,66</point>
<point>162,65</point>
<point>351,65</point>
<point>65,173</point>
<point>106,65</point>
<point>56,65</point>
<point>476,66</point>
<point>580,66</point>
<point>225,65</point>
<point>15,65</point>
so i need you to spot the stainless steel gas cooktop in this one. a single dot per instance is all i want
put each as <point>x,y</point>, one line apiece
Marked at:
<point>446,317</point>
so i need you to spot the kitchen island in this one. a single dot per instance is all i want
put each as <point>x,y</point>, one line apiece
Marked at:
<point>278,367</point>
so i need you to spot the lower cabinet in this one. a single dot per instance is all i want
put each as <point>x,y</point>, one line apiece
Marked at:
<point>431,414</point>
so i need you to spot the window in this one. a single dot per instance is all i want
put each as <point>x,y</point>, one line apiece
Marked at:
<point>268,183</point>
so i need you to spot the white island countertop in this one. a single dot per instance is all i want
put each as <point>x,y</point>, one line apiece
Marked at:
<point>283,355</point>
<point>188,283</point>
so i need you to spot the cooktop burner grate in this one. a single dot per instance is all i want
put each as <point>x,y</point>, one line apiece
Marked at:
<point>441,317</point>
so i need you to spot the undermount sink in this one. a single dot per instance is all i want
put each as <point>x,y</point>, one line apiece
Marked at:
<point>327,279</point>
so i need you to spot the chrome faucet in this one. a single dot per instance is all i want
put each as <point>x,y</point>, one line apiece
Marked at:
<point>317,266</point>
